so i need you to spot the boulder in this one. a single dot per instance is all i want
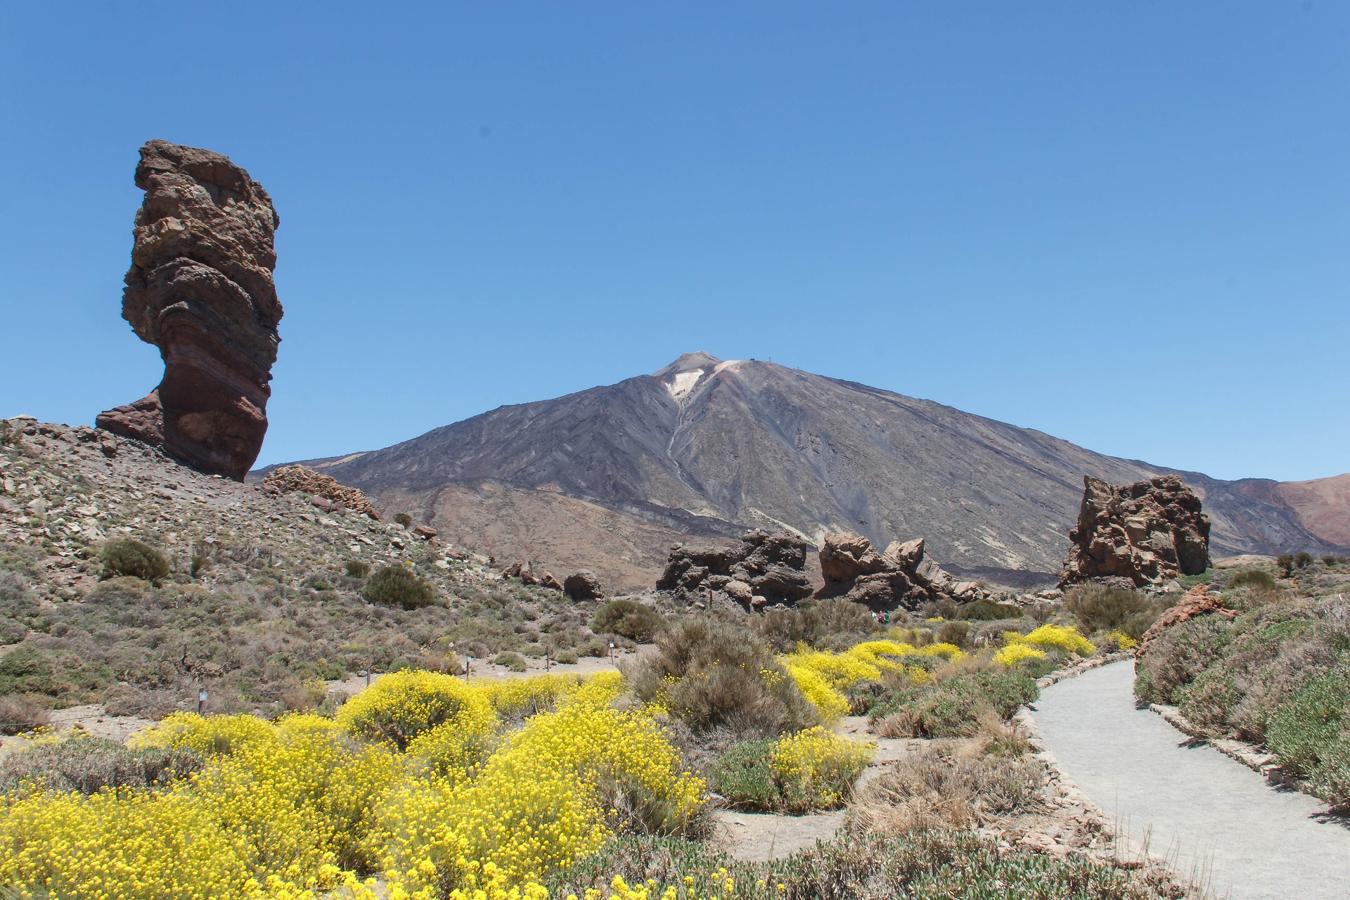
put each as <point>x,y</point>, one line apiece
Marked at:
<point>583,585</point>
<point>547,580</point>
<point>901,576</point>
<point>1148,532</point>
<point>845,555</point>
<point>327,492</point>
<point>200,289</point>
<point>766,569</point>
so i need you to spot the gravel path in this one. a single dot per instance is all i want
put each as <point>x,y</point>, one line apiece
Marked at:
<point>1209,816</point>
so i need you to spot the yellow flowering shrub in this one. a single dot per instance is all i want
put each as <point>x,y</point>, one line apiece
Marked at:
<point>947,651</point>
<point>298,808</point>
<point>526,696</point>
<point>1122,640</point>
<point>831,704</point>
<point>207,735</point>
<point>815,768</point>
<point>1064,638</point>
<point>402,705</point>
<point>1012,654</point>
<point>549,797</point>
<point>840,670</point>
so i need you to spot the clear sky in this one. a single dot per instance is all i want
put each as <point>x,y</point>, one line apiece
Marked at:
<point>1123,223</point>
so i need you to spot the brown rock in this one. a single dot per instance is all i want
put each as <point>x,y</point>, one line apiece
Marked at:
<point>583,585</point>
<point>1198,601</point>
<point>845,555</point>
<point>319,486</point>
<point>200,288</point>
<point>773,566</point>
<point>900,577</point>
<point>547,580</point>
<point>425,532</point>
<point>1149,532</point>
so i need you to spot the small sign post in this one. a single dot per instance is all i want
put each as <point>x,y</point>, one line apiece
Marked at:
<point>202,697</point>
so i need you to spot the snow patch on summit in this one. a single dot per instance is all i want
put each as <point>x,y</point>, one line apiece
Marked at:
<point>682,383</point>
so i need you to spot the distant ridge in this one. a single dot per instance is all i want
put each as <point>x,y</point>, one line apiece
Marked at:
<point>606,478</point>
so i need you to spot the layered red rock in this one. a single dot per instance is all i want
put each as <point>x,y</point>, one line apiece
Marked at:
<point>1148,532</point>
<point>323,487</point>
<point>200,288</point>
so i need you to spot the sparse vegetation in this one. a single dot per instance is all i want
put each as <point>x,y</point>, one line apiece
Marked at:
<point>133,559</point>
<point>1258,579</point>
<point>356,568</point>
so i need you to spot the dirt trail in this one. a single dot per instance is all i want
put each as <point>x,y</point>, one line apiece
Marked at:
<point>1208,815</point>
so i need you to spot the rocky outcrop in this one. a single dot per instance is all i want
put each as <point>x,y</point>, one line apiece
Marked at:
<point>200,288</point>
<point>524,572</point>
<point>1149,532</point>
<point>1198,601</point>
<point>322,487</point>
<point>583,585</point>
<point>901,576</point>
<point>765,569</point>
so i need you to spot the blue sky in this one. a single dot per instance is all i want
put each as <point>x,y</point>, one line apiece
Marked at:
<point>1123,223</point>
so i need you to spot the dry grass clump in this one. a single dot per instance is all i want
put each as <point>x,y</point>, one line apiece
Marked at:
<point>954,702</point>
<point>953,785</point>
<point>830,624</point>
<point>20,713</point>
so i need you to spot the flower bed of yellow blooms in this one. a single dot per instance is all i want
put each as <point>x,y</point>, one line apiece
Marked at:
<point>823,676</point>
<point>411,783</point>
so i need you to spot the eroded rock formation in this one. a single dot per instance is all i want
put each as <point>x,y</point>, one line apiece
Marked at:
<point>1149,532</point>
<point>765,569</point>
<point>200,288</point>
<point>322,487</point>
<point>901,576</point>
<point>522,570</point>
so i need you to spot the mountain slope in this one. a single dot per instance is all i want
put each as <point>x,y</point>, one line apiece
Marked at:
<point>705,446</point>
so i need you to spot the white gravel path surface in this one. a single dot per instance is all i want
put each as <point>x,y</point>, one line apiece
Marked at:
<point>1209,816</point>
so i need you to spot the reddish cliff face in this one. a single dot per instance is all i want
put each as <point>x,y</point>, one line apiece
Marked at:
<point>200,288</point>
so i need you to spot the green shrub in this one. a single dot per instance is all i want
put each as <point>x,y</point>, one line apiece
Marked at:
<point>399,586</point>
<point>1253,578</point>
<point>627,618</point>
<point>957,633</point>
<point>89,764</point>
<point>565,657</point>
<point>1177,656</point>
<point>513,661</point>
<point>1286,563</point>
<point>1304,729</point>
<point>133,559</point>
<point>356,568</point>
<point>1303,559</point>
<point>987,611</point>
<point>26,670</point>
<point>953,707</point>
<point>715,674</point>
<point>742,776</point>
<point>403,519</point>
<point>1099,607</point>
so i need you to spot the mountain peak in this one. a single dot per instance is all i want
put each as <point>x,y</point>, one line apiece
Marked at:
<point>688,362</point>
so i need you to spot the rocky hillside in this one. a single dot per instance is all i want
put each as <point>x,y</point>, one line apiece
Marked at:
<point>606,478</point>
<point>264,595</point>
